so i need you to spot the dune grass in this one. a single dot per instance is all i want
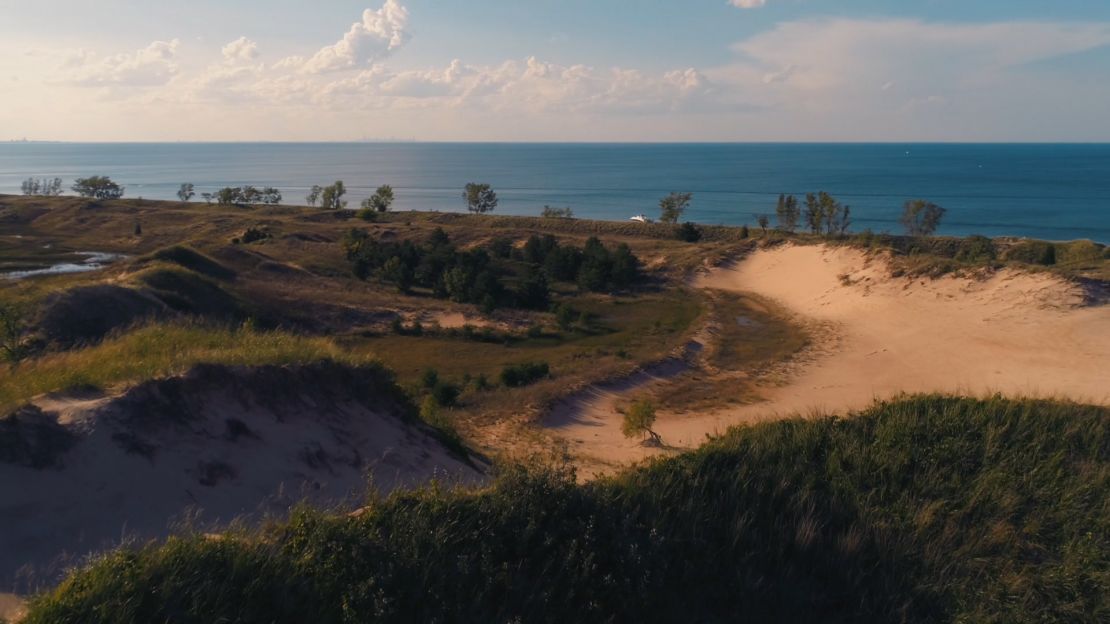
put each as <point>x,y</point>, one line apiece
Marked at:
<point>158,350</point>
<point>919,510</point>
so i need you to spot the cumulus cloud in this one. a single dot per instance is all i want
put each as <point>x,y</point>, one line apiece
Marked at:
<point>240,50</point>
<point>378,34</point>
<point>747,4</point>
<point>150,66</point>
<point>527,86</point>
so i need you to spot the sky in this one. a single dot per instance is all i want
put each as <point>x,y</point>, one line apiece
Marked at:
<point>555,70</point>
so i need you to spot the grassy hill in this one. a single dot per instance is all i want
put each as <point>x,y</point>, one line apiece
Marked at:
<point>919,510</point>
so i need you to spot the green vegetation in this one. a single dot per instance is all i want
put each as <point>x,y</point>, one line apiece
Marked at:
<point>519,375</point>
<point>98,187</point>
<point>672,207</point>
<point>480,198</point>
<point>46,187</point>
<point>12,326</point>
<point>476,276</point>
<point>331,196</point>
<point>186,192</point>
<point>551,212</point>
<point>638,420</point>
<point>380,201</point>
<point>159,350</point>
<point>919,510</point>
<point>921,218</point>
<point>688,233</point>
<point>247,195</point>
<point>787,213</point>
<point>1032,252</point>
<point>824,214</point>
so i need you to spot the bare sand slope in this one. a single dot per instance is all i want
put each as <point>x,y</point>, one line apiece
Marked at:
<point>1015,333</point>
<point>79,475</point>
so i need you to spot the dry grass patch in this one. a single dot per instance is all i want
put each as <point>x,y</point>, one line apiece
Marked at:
<point>160,350</point>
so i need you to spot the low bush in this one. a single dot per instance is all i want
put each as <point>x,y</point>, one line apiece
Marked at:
<point>1078,252</point>
<point>1032,252</point>
<point>518,375</point>
<point>688,232</point>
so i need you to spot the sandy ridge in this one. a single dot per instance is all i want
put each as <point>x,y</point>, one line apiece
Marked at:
<point>1010,332</point>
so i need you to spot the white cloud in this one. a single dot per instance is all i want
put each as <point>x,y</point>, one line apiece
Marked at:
<point>814,79</point>
<point>826,54</point>
<point>240,50</point>
<point>153,65</point>
<point>748,4</point>
<point>373,38</point>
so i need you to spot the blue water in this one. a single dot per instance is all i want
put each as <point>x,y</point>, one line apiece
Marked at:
<point>1047,191</point>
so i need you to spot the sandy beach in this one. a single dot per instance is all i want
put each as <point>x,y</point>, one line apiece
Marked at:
<point>1015,333</point>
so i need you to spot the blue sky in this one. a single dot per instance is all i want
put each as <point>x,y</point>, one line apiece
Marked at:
<point>791,70</point>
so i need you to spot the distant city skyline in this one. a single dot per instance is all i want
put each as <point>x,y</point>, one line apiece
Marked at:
<point>571,70</point>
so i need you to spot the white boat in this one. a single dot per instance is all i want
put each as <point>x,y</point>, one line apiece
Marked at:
<point>641,218</point>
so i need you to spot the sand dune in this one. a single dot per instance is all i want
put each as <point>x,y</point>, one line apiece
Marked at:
<point>220,442</point>
<point>1012,332</point>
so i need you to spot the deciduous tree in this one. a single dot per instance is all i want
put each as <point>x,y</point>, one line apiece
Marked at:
<point>673,206</point>
<point>98,187</point>
<point>480,198</point>
<point>921,218</point>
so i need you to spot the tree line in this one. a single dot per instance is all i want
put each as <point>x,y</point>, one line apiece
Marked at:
<point>819,213</point>
<point>474,276</point>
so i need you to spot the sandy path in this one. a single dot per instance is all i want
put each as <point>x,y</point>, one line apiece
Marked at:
<point>1014,333</point>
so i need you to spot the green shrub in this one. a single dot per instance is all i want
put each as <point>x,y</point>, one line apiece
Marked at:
<point>976,249</point>
<point>518,375</point>
<point>1078,252</point>
<point>429,378</point>
<point>1032,252</point>
<point>688,232</point>
<point>446,394</point>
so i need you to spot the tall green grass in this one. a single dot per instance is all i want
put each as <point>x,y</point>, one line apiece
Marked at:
<point>925,509</point>
<point>158,350</point>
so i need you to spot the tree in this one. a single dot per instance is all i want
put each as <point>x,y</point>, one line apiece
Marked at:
<point>98,187</point>
<point>787,213</point>
<point>921,218</point>
<point>639,419</point>
<point>270,196</point>
<point>763,221</point>
<point>48,187</point>
<point>229,195</point>
<point>313,195</point>
<point>185,193</point>
<point>381,200</point>
<point>672,206</point>
<point>480,198</point>
<point>813,214</point>
<point>825,213</point>
<point>837,216</point>
<point>208,197</point>
<point>331,197</point>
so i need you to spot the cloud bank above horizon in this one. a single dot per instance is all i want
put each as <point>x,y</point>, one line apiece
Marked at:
<point>796,76</point>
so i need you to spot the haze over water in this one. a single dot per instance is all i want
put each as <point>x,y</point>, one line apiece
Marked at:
<point>1052,191</point>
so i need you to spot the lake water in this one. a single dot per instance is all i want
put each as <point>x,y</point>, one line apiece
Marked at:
<point>1046,191</point>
